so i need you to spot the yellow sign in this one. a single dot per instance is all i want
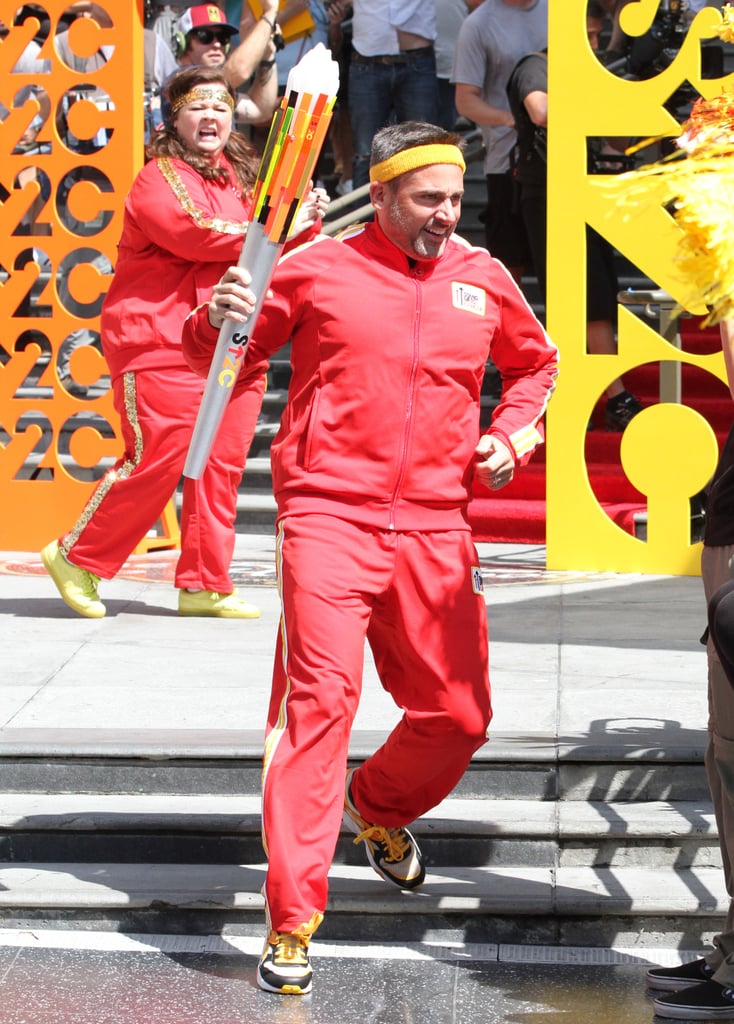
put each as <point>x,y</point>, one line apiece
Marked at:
<point>668,451</point>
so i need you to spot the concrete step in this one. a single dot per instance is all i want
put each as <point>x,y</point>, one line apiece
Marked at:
<point>584,906</point>
<point>466,832</point>
<point>593,840</point>
<point>257,477</point>
<point>637,767</point>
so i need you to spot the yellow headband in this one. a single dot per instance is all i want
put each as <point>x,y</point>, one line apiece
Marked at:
<point>418,156</point>
<point>203,93</point>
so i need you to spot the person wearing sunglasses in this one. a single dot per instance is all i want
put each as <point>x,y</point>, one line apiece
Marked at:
<point>203,38</point>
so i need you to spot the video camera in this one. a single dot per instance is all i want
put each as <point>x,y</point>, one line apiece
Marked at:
<point>648,55</point>
<point>651,53</point>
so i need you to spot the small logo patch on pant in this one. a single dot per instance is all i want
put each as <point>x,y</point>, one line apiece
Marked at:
<point>477,583</point>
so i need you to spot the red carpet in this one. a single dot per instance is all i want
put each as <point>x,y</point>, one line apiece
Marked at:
<point>516,514</point>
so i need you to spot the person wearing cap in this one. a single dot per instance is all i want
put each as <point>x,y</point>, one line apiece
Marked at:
<point>391,326</point>
<point>203,37</point>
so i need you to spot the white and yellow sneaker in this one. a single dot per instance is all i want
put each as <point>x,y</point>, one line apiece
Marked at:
<point>392,852</point>
<point>284,965</point>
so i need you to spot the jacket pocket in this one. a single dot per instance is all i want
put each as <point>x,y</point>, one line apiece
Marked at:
<point>309,447</point>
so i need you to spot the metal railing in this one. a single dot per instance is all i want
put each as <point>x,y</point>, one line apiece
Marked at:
<point>658,304</point>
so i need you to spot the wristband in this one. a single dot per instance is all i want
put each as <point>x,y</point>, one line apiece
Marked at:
<point>264,71</point>
<point>272,24</point>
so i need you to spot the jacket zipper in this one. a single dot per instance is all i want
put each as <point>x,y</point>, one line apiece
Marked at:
<point>408,409</point>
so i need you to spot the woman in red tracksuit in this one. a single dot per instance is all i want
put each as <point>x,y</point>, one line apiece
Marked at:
<point>391,328</point>
<point>185,219</point>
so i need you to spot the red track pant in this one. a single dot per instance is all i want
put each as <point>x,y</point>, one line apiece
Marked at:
<point>158,410</point>
<point>416,598</point>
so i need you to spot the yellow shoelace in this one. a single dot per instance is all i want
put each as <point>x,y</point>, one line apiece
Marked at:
<point>394,841</point>
<point>291,948</point>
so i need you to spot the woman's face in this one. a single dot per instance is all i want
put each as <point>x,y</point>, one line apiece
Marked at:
<point>204,125</point>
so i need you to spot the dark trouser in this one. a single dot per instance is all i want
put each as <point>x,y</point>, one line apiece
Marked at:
<point>716,574</point>
<point>503,223</point>
<point>380,93</point>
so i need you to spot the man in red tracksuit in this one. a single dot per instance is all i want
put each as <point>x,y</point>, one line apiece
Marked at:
<point>391,328</point>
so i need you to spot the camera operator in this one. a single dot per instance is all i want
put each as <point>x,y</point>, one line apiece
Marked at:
<point>642,57</point>
<point>527,93</point>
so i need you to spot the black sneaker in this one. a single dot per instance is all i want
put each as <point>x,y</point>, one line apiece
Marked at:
<point>392,852</point>
<point>621,410</point>
<point>284,965</point>
<point>672,979</point>
<point>709,1001</point>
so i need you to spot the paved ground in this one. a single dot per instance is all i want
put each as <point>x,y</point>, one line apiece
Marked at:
<point>88,978</point>
<point>588,658</point>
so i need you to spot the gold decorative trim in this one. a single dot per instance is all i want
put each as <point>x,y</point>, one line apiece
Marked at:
<point>225,227</point>
<point>121,472</point>
<point>204,94</point>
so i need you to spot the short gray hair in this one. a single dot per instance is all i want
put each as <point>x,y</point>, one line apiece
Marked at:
<point>387,142</point>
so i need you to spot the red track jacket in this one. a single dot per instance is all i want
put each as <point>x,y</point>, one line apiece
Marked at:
<point>388,358</point>
<point>180,234</point>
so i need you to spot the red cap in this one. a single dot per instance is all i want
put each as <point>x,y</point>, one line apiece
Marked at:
<point>204,16</point>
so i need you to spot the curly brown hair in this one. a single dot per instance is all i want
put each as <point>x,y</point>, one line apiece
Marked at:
<point>239,151</point>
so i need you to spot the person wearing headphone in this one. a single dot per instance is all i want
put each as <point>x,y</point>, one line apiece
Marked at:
<point>203,37</point>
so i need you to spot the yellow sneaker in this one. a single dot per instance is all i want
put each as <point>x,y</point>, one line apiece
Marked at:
<point>284,965</point>
<point>77,586</point>
<point>219,606</point>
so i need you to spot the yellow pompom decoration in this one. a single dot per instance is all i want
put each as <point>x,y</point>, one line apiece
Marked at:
<point>698,185</point>
<point>726,30</point>
<point>709,125</point>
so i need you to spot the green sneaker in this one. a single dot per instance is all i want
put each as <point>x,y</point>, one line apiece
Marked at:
<point>77,586</point>
<point>213,605</point>
<point>392,852</point>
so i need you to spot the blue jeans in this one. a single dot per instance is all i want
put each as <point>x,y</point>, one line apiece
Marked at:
<point>380,94</point>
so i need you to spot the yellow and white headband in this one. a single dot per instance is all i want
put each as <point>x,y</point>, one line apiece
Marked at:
<point>203,94</point>
<point>417,156</point>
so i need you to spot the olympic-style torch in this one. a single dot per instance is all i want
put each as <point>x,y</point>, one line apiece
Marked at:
<point>294,142</point>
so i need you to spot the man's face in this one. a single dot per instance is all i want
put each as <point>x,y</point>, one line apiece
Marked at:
<point>207,46</point>
<point>419,210</point>
<point>594,27</point>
